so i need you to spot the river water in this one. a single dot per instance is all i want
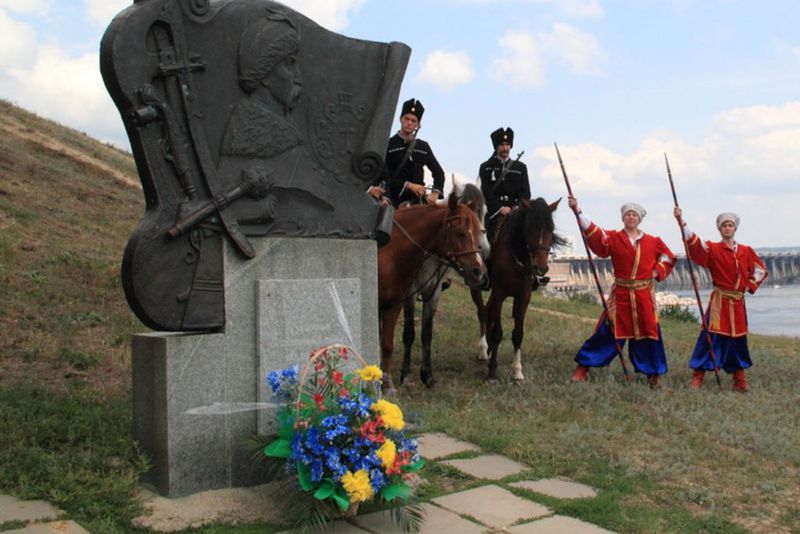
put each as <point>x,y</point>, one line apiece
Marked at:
<point>772,310</point>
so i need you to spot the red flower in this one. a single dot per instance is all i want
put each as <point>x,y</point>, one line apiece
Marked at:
<point>343,392</point>
<point>371,431</point>
<point>337,378</point>
<point>343,353</point>
<point>319,400</point>
<point>402,458</point>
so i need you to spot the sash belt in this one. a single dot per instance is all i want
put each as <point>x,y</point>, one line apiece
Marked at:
<point>730,293</point>
<point>633,284</point>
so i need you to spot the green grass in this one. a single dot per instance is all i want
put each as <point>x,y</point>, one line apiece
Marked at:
<point>73,450</point>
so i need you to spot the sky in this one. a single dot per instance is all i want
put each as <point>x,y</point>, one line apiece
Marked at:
<point>617,84</point>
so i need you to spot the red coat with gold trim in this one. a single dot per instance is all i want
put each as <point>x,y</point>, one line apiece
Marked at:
<point>632,302</point>
<point>733,271</point>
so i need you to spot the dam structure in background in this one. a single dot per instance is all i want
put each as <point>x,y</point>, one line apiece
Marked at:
<point>568,273</point>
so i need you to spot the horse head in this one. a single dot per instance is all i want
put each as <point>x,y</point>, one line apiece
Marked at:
<point>460,241</point>
<point>533,235</point>
<point>472,196</point>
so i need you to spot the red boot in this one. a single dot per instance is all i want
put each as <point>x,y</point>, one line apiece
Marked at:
<point>581,374</point>
<point>740,382</point>
<point>697,379</point>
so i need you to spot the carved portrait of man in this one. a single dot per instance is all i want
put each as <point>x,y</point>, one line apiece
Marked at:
<point>261,140</point>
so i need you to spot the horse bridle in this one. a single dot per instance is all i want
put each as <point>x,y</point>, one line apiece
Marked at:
<point>528,269</point>
<point>450,259</point>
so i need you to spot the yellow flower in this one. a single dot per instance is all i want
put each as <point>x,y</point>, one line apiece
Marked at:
<point>370,373</point>
<point>357,486</point>
<point>387,453</point>
<point>390,413</point>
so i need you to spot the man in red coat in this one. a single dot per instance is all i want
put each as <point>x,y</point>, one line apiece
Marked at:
<point>637,259</point>
<point>734,268</point>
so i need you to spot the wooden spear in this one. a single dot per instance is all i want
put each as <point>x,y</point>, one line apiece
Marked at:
<point>694,280</point>
<point>594,271</point>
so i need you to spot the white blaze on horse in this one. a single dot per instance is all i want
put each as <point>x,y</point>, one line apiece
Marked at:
<point>450,234</point>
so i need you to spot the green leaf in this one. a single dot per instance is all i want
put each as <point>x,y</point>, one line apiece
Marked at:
<point>341,498</point>
<point>304,477</point>
<point>396,489</point>
<point>286,425</point>
<point>324,491</point>
<point>416,466</point>
<point>280,448</point>
<point>389,491</point>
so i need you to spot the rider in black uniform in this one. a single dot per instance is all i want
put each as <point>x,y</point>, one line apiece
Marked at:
<point>406,156</point>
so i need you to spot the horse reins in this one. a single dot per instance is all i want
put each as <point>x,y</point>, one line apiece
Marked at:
<point>450,258</point>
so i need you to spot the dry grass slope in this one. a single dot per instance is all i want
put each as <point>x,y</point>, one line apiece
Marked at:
<point>67,206</point>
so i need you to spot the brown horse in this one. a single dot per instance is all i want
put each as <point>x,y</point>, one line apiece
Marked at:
<point>451,234</point>
<point>520,251</point>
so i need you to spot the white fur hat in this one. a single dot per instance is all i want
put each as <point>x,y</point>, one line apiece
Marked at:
<point>732,217</point>
<point>633,206</point>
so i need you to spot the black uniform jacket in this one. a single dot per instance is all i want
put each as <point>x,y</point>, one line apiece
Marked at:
<point>411,171</point>
<point>510,190</point>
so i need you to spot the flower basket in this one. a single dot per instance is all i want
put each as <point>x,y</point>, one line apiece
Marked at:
<point>344,443</point>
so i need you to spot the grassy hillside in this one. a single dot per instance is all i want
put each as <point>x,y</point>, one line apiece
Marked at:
<point>670,460</point>
<point>67,206</point>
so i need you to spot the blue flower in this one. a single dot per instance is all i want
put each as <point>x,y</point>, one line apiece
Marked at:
<point>274,381</point>
<point>377,479</point>
<point>298,451</point>
<point>333,462</point>
<point>316,470</point>
<point>283,383</point>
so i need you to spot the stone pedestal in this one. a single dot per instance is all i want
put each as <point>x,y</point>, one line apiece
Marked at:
<point>197,398</point>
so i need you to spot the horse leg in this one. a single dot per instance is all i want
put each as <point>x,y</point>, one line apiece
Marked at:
<point>428,313</point>
<point>408,336</point>
<point>388,322</point>
<point>494,329</point>
<point>480,308</point>
<point>520,309</point>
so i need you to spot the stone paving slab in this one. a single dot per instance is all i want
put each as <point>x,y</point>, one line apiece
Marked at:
<point>492,506</point>
<point>434,445</point>
<point>13,509</point>
<point>554,487</point>
<point>488,466</point>
<point>231,505</point>
<point>437,521</point>
<point>558,524</point>
<point>54,527</point>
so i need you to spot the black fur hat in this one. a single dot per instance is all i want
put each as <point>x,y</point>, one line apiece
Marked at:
<point>414,107</point>
<point>501,135</point>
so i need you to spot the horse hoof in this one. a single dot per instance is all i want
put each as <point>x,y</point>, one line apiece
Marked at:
<point>482,357</point>
<point>429,381</point>
<point>491,380</point>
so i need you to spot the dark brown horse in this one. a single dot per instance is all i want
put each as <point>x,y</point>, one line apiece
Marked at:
<point>520,252</point>
<point>450,234</point>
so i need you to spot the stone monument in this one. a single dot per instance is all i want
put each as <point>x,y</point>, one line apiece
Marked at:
<point>255,133</point>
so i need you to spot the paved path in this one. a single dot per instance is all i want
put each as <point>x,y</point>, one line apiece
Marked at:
<point>489,507</point>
